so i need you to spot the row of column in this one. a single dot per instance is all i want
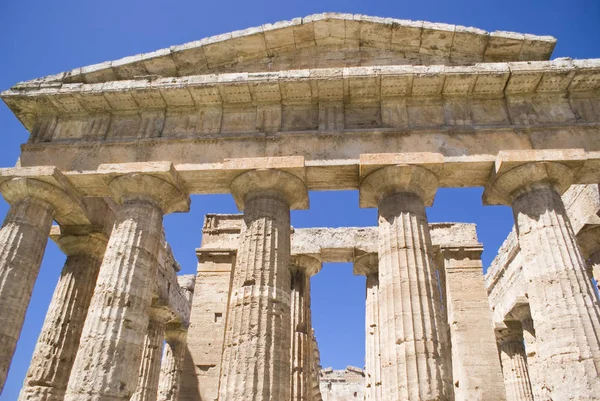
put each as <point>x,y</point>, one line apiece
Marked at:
<point>256,363</point>
<point>92,341</point>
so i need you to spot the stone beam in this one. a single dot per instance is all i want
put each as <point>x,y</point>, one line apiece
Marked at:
<point>214,178</point>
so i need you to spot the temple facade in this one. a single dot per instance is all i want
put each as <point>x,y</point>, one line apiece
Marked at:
<point>391,108</point>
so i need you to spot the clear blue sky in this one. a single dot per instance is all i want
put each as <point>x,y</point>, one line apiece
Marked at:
<point>39,38</point>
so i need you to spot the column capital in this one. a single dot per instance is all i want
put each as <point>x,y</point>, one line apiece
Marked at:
<point>155,182</point>
<point>45,189</point>
<point>589,240</point>
<point>258,182</point>
<point>162,314</point>
<point>517,172</point>
<point>310,265</point>
<point>366,264</point>
<point>88,244</point>
<point>396,179</point>
<point>175,332</point>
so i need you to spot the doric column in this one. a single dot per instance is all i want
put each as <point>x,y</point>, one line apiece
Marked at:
<point>476,370</point>
<point>303,267</point>
<point>55,351</point>
<point>561,297</point>
<point>514,363</point>
<point>367,265</point>
<point>107,363</point>
<point>172,363</point>
<point>23,238</point>
<point>149,372</point>
<point>589,243</point>
<point>523,315</point>
<point>256,357</point>
<point>315,376</point>
<point>409,304</point>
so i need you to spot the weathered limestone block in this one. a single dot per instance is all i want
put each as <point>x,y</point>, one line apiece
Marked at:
<point>368,266</point>
<point>172,363</point>
<point>150,367</point>
<point>256,357</point>
<point>342,385</point>
<point>563,304</point>
<point>476,370</point>
<point>410,314</point>
<point>202,363</point>
<point>23,238</point>
<point>106,366</point>
<point>514,363</point>
<point>302,268</point>
<point>57,345</point>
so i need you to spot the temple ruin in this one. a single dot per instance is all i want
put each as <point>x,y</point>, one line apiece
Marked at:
<point>392,108</point>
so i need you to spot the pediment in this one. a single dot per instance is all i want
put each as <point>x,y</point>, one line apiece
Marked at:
<point>328,40</point>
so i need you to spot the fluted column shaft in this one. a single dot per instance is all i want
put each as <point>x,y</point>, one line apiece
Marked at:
<point>372,350</point>
<point>55,351</point>
<point>301,339</point>
<point>514,366</point>
<point>172,365</point>
<point>149,372</point>
<point>315,391</point>
<point>106,366</point>
<point>562,299</point>
<point>23,238</point>
<point>409,314</point>
<point>533,365</point>
<point>256,358</point>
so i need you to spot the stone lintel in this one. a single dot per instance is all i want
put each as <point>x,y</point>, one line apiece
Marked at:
<point>385,174</point>
<point>281,176</point>
<point>214,255</point>
<point>519,170</point>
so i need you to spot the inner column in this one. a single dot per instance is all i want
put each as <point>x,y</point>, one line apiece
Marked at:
<point>409,310</point>
<point>256,358</point>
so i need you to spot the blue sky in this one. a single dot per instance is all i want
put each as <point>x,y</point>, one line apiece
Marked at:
<point>39,38</point>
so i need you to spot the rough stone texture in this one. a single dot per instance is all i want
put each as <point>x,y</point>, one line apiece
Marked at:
<point>514,364</point>
<point>301,327</point>
<point>150,366</point>
<point>109,355</point>
<point>23,238</point>
<point>410,314</point>
<point>171,368</point>
<point>563,304</point>
<point>256,357</point>
<point>55,352</point>
<point>476,370</point>
<point>261,113</point>
<point>343,385</point>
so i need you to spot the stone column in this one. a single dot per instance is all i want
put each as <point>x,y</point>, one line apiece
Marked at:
<point>367,265</point>
<point>303,267</point>
<point>172,363</point>
<point>476,370</point>
<point>149,372</point>
<point>561,297</point>
<point>315,377</point>
<point>110,351</point>
<point>514,363</point>
<point>410,316</point>
<point>55,351</point>
<point>23,238</point>
<point>256,357</point>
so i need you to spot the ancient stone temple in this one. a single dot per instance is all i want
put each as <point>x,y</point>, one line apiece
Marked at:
<point>393,109</point>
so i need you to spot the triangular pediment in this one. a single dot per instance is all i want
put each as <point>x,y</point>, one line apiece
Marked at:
<point>328,40</point>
